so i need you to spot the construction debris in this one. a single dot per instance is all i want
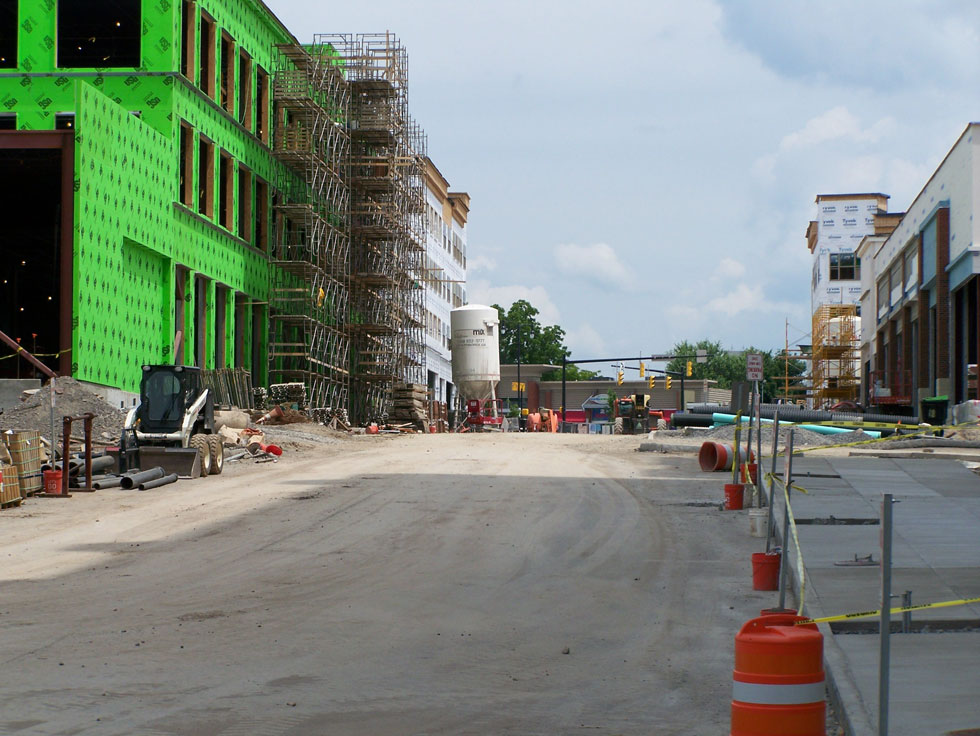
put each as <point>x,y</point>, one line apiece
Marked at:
<point>410,406</point>
<point>71,399</point>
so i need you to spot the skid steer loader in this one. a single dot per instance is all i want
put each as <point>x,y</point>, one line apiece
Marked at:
<point>173,425</point>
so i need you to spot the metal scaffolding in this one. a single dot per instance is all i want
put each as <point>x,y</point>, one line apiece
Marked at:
<point>387,293</point>
<point>310,242</point>
<point>836,361</point>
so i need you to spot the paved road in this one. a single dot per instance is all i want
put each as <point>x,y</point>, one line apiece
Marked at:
<point>420,585</point>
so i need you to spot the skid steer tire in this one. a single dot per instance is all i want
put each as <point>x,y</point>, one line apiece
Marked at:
<point>618,426</point>
<point>217,447</point>
<point>200,443</point>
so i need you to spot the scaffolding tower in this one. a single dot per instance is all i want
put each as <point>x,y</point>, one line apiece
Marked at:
<point>387,236</point>
<point>310,245</point>
<point>836,359</point>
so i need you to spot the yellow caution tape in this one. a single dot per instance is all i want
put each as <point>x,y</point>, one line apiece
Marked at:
<point>36,355</point>
<point>898,609</point>
<point>800,567</point>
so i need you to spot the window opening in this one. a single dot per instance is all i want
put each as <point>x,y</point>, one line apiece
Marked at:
<point>188,21</point>
<point>220,331</point>
<point>258,374</point>
<point>186,165</point>
<point>99,33</point>
<point>8,121</point>
<point>245,90</point>
<point>226,196</point>
<point>180,324</point>
<point>241,301</point>
<point>227,73</point>
<point>261,240</point>
<point>8,34</point>
<point>262,96</point>
<point>205,178</point>
<point>207,69</point>
<point>64,121</point>
<point>844,267</point>
<point>245,204</point>
<point>200,320</point>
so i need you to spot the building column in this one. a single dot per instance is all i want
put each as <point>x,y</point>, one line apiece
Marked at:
<point>943,383</point>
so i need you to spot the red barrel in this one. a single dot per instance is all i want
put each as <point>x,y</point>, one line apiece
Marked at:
<point>778,681</point>
<point>765,570</point>
<point>734,496</point>
<point>714,456</point>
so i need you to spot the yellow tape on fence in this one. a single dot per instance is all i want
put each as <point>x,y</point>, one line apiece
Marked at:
<point>800,568</point>
<point>898,609</point>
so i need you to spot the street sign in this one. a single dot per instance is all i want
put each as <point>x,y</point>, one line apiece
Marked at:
<point>515,386</point>
<point>753,367</point>
<point>702,356</point>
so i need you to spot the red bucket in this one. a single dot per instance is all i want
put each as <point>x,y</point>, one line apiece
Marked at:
<point>750,473</point>
<point>52,482</point>
<point>765,570</point>
<point>734,495</point>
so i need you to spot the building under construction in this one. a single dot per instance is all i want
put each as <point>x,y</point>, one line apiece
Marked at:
<point>836,358</point>
<point>194,185</point>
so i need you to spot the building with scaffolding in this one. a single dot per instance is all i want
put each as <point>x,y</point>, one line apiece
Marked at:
<point>189,183</point>
<point>445,277</point>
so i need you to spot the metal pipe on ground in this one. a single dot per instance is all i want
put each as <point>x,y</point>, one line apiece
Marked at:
<point>110,481</point>
<point>165,480</point>
<point>132,481</point>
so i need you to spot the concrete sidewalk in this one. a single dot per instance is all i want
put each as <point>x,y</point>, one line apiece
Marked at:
<point>934,670</point>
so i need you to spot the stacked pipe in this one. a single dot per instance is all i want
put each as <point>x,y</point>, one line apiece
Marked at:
<point>797,414</point>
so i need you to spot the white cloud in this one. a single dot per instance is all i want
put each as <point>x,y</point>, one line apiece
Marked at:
<point>481,262</point>
<point>585,342</point>
<point>835,124</point>
<point>728,268</point>
<point>597,263</point>
<point>481,292</point>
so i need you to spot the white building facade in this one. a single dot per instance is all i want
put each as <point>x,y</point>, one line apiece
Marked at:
<point>446,214</point>
<point>843,220</point>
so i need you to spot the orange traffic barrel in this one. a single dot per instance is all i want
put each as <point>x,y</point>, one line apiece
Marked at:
<point>715,456</point>
<point>778,681</point>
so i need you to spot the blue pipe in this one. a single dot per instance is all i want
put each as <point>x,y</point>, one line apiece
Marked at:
<point>818,428</point>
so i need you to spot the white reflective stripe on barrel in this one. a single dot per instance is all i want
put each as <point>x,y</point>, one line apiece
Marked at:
<point>759,694</point>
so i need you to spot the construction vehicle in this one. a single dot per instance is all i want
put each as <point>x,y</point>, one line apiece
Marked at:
<point>484,415</point>
<point>173,425</point>
<point>630,415</point>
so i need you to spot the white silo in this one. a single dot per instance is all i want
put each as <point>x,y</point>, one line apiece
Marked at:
<point>476,351</point>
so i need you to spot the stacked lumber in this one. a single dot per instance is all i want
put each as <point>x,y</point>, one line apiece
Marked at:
<point>9,487</point>
<point>410,405</point>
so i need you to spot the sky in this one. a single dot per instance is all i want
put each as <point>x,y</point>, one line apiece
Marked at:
<point>643,171</point>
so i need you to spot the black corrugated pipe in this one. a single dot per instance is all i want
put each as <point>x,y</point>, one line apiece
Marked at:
<point>165,480</point>
<point>110,481</point>
<point>132,481</point>
<point>687,419</point>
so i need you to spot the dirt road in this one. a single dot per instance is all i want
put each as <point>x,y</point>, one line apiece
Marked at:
<point>435,584</point>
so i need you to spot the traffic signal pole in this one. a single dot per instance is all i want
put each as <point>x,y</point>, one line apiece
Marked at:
<point>651,358</point>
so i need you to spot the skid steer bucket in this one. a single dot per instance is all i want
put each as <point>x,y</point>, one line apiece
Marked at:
<point>184,461</point>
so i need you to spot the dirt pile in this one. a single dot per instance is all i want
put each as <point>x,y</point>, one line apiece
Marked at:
<point>71,399</point>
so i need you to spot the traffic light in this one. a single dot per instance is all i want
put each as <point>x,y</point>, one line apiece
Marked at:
<point>619,378</point>
<point>690,367</point>
<point>653,382</point>
<point>668,383</point>
<point>643,370</point>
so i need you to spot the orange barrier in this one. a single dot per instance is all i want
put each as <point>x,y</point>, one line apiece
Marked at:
<point>778,681</point>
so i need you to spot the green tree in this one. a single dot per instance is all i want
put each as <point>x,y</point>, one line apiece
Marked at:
<point>727,367</point>
<point>521,334</point>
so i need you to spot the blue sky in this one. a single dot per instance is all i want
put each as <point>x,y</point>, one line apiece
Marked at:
<point>643,171</point>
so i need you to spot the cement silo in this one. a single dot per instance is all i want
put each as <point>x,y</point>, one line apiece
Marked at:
<point>476,351</point>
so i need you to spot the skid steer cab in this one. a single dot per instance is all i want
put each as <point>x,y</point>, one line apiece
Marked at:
<point>173,426</point>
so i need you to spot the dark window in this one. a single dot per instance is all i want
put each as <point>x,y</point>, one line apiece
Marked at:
<point>188,21</point>
<point>8,121</point>
<point>245,90</point>
<point>180,319</point>
<point>207,55</point>
<point>220,325</point>
<point>205,178</point>
<point>200,321</point>
<point>226,192</point>
<point>8,34</point>
<point>262,96</point>
<point>241,304</point>
<point>228,73</point>
<point>64,121</point>
<point>244,203</point>
<point>844,267</point>
<point>99,33</point>
<point>186,165</point>
<point>261,240</point>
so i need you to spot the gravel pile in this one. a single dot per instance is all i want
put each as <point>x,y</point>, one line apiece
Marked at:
<point>71,399</point>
